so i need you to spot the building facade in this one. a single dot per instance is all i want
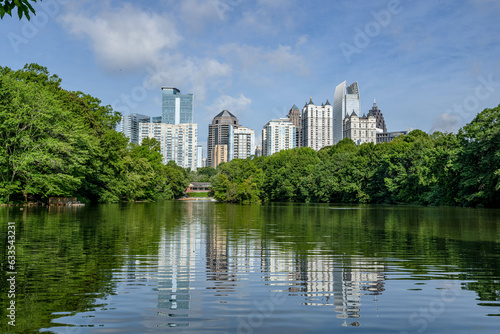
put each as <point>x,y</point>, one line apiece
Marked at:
<point>219,133</point>
<point>380,122</point>
<point>219,155</point>
<point>317,128</point>
<point>277,135</point>
<point>296,118</point>
<point>177,108</point>
<point>360,129</point>
<point>130,126</point>
<point>243,143</point>
<point>178,142</point>
<point>387,137</point>
<point>258,151</point>
<point>199,156</point>
<point>345,102</point>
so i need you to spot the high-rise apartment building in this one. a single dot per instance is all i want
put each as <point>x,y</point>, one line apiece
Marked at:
<point>130,126</point>
<point>360,129</point>
<point>296,118</point>
<point>317,130</point>
<point>243,143</point>
<point>177,108</point>
<point>375,112</point>
<point>220,132</point>
<point>345,102</point>
<point>277,135</point>
<point>178,142</point>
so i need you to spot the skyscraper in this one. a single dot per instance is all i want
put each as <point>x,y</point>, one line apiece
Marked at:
<point>177,108</point>
<point>296,118</point>
<point>317,125</point>
<point>345,102</point>
<point>375,112</point>
<point>130,126</point>
<point>177,142</point>
<point>278,134</point>
<point>219,133</point>
<point>199,156</point>
<point>243,143</point>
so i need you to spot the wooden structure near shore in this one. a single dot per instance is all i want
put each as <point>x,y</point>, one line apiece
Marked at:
<point>64,201</point>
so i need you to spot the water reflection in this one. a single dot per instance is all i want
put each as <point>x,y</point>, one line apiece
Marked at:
<point>228,268</point>
<point>200,250</point>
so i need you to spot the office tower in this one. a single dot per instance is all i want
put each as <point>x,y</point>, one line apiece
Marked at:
<point>177,108</point>
<point>243,143</point>
<point>178,142</point>
<point>130,126</point>
<point>219,133</point>
<point>375,112</point>
<point>199,156</point>
<point>156,119</point>
<point>317,125</point>
<point>360,129</point>
<point>345,102</point>
<point>296,118</point>
<point>258,151</point>
<point>278,134</point>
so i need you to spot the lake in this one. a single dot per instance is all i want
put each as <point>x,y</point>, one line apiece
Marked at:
<point>201,267</point>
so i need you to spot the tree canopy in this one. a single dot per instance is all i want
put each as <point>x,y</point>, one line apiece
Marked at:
<point>54,142</point>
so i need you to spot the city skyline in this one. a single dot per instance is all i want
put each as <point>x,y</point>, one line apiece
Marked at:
<point>431,66</point>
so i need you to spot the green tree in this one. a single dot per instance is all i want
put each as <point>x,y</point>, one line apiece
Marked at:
<point>478,160</point>
<point>23,8</point>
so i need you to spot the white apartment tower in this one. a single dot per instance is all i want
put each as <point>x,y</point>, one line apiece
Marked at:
<point>178,142</point>
<point>277,135</point>
<point>243,143</point>
<point>317,130</point>
<point>345,102</point>
<point>360,129</point>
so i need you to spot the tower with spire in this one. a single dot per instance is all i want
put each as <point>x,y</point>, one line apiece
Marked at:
<point>380,122</point>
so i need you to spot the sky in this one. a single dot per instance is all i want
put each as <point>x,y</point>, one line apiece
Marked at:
<point>430,64</point>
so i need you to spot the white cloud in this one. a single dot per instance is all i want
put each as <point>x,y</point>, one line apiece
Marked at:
<point>195,73</point>
<point>231,103</point>
<point>126,37</point>
<point>445,122</point>
<point>196,14</point>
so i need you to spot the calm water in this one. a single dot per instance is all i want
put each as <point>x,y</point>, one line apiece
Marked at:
<point>281,268</point>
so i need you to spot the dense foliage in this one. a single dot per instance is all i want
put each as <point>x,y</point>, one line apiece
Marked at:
<point>54,142</point>
<point>437,169</point>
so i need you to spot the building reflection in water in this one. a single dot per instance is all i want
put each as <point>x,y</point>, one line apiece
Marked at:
<point>320,279</point>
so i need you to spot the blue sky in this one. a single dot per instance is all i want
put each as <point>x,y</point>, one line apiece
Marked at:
<point>431,65</point>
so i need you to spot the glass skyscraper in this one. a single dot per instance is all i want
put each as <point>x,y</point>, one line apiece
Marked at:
<point>346,101</point>
<point>177,108</point>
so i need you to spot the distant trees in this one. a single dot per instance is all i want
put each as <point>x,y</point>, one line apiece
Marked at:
<point>437,169</point>
<point>59,143</point>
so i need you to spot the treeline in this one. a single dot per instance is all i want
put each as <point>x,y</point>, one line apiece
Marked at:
<point>54,142</point>
<point>437,169</point>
